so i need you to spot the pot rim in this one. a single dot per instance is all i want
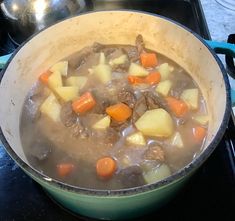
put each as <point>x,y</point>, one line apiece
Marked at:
<point>195,163</point>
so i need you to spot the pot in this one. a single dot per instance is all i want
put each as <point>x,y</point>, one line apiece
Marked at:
<point>27,17</point>
<point>113,27</point>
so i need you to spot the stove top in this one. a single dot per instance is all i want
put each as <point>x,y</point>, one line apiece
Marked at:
<point>210,193</point>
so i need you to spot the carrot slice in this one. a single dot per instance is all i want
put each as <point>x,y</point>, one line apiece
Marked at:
<point>135,80</point>
<point>178,107</point>
<point>105,167</point>
<point>83,103</point>
<point>64,169</point>
<point>199,133</point>
<point>153,78</point>
<point>148,59</point>
<point>44,77</point>
<point>119,112</point>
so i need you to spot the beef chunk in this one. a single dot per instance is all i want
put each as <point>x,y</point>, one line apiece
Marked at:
<point>131,176</point>
<point>119,126</point>
<point>67,116</point>
<point>97,47</point>
<point>155,153</point>
<point>127,97</point>
<point>139,42</point>
<point>139,108</point>
<point>131,52</point>
<point>78,130</point>
<point>40,149</point>
<point>151,101</point>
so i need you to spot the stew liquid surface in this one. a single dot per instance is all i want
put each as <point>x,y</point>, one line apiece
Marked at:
<point>113,117</point>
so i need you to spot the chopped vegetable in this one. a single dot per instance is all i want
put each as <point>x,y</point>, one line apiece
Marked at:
<point>177,140</point>
<point>55,80</point>
<point>103,73</point>
<point>103,123</point>
<point>137,70</point>
<point>153,78</point>
<point>165,71</point>
<point>178,107</point>
<point>61,67</point>
<point>102,58</point>
<point>51,108</point>
<point>44,77</point>
<point>148,59</point>
<point>164,87</point>
<point>119,112</point>
<point>106,167</point>
<point>157,174</point>
<point>64,169</point>
<point>79,81</point>
<point>199,133</point>
<point>190,97</point>
<point>120,60</point>
<point>83,104</point>
<point>156,122</point>
<point>136,139</point>
<point>67,93</point>
<point>201,119</point>
<point>135,80</point>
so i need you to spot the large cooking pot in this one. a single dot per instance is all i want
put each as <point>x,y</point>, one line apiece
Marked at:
<point>113,27</point>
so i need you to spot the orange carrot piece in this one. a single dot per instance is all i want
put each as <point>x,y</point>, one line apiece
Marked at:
<point>64,169</point>
<point>148,59</point>
<point>199,133</point>
<point>153,78</point>
<point>44,77</point>
<point>83,103</point>
<point>119,112</point>
<point>105,167</point>
<point>135,80</point>
<point>178,107</point>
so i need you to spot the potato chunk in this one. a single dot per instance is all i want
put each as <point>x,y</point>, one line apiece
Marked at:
<point>102,124</point>
<point>51,108</point>
<point>164,87</point>
<point>103,73</point>
<point>79,81</point>
<point>156,122</point>
<point>165,71</point>
<point>137,70</point>
<point>190,97</point>
<point>120,60</point>
<point>67,93</point>
<point>177,140</point>
<point>61,67</point>
<point>136,139</point>
<point>55,80</point>
<point>157,174</point>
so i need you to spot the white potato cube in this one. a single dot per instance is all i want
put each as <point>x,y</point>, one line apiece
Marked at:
<point>190,97</point>
<point>51,108</point>
<point>103,73</point>
<point>55,80</point>
<point>120,60</point>
<point>137,70</point>
<point>67,93</point>
<point>102,124</point>
<point>61,67</point>
<point>177,140</point>
<point>157,174</point>
<point>164,87</point>
<point>136,139</point>
<point>156,122</point>
<point>78,81</point>
<point>165,71</point>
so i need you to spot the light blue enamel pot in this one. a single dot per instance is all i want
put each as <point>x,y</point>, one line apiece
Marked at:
<point>189,50</point>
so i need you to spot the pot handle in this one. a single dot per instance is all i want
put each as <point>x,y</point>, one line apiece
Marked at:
<point>222,47</point>
<point>4,59</point>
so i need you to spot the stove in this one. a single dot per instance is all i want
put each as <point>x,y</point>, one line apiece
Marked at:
<point>209,194</point>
